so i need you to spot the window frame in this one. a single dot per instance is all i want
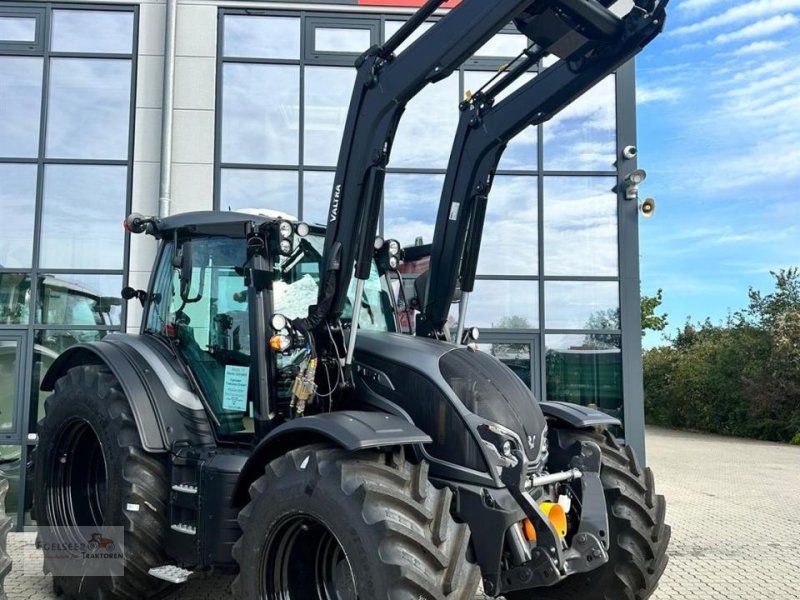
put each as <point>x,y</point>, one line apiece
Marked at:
<point>25,47</point>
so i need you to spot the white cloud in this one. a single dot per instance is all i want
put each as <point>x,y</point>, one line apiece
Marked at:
<point>698,6</point>
<point>758,29</point>
<point>757,9</point>
<point>761,47</point>
<point>645,95</point>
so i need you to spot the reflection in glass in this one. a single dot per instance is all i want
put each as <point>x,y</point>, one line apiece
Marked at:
<point>391,27</point>
<point>510,233</point>
<point>504,45</point>
<point>425,134</point>
<point>580,226</point>
<point>261,37</point>
<point>83,208</point>
<point>251,188</point>
<point>80,300</point>
<point>521,152</point>
<point>17,207</point>
<point>255,131</point>
<point>15,298</point>
<point>48,344</point>
<point>410,204</point>
<point>88,108</point>
<point>17,29</point>
<point>585,370</point>
<point>581,305</point>
<point>92,31</point>
<point>515,355</point>
<point>327,98</point>
<point>339,39</point>
<point>504,305</point>
<point>583,136</point>
<point>317,188</point>
<point>9,367</point>
<point>20,104</point>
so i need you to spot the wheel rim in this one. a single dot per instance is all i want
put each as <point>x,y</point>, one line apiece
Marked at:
<point>77,485</point>
<point>304,560</point>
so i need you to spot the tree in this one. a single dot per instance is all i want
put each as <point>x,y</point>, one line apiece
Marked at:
<point>650,320</point>
<point>511,322</point>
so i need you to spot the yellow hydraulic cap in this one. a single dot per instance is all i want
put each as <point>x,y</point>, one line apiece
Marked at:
<point>555,513</point>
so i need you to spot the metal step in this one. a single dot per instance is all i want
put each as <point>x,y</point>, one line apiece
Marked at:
<point>171,573</point>
<point>184,488</point>
<point>184,528</point>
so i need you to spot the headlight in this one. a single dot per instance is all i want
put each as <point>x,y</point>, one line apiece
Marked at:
<point>286,247</point>
<point>278,322</point>
<point>302,229</point>
<point>394,247</point>
<point>285,229</point>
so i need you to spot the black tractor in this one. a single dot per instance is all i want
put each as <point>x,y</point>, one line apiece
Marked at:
<point>270,419</point>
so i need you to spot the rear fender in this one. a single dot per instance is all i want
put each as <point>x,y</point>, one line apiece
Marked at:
<point>352,430</point>
<point>166,410</point>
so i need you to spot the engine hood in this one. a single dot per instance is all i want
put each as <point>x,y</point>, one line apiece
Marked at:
<point>474,382</point>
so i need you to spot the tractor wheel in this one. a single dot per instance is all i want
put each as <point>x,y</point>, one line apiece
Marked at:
<point>639,536</point>
<point>91,472</point>
<point>325,523</point>
<point>5,526</point>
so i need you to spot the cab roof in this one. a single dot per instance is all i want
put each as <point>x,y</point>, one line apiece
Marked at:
<point>217,222</point>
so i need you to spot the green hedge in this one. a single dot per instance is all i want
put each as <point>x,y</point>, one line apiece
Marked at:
<point>741,378</point>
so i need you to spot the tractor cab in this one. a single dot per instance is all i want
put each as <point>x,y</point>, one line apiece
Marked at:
<point>213,276</point>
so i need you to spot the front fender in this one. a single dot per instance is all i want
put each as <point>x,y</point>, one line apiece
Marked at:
<point>350,429</point>
<point>577,416</point>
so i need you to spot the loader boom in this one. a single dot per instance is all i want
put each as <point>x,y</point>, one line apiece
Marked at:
<point>485,127</point>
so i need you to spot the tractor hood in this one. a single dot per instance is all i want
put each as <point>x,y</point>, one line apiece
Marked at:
<point>420,374</point>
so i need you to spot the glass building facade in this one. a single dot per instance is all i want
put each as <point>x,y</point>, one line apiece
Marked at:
<point>261,96</point>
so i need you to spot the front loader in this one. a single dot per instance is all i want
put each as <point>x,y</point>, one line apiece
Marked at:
<point>269,419</point>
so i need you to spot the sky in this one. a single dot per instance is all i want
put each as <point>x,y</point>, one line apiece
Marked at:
<point>718,98</point>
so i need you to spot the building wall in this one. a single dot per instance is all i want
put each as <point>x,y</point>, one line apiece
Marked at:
<point>558,289</point>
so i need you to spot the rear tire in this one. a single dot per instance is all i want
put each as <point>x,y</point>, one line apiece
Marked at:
<point>639,536</point>
<point>91,471</point>
<point>391,531</point>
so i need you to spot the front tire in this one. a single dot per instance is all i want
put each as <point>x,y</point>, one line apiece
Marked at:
<point>91,472</point>
<point>639,536</point>
<point>326,523</point>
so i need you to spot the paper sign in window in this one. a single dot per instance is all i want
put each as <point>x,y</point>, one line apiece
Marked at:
<point>234,393</point>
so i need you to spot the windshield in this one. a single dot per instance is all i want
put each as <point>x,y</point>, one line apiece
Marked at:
<point>296,285</point>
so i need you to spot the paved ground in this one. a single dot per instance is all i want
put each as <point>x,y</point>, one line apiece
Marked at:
<point>734,507</point>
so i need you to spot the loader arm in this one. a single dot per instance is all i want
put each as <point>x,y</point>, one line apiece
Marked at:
<point>486,127</point>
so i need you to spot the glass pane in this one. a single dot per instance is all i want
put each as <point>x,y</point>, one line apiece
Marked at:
<point>317,188</point>
<point>425,135</point>
<point>581,305</point>
<point>503,305</point>
<point>521,152</point>
<point>20,105</point>
<point>10,463</point>
<point>92,31</point>
<point>256,131</point>
<point>410,204</point>
<point>391,28</point>
<point>515,355</point>
<point>15,298</point>
<point>89,108</point>
<point>17,29</point>
<point>17,207</point>
<point>580,226</point>
<point>586,370</point>
<point>510,233</point>
<point>262,37</point>
<point>504,45</point>
<point>336,39</point>
<point>81,300</point>
<point>9,363</point>
<point>249,188</point>
<point>327,98</point>
<point>83,209</point>
<point>49,343</point>
<point>583,137</point>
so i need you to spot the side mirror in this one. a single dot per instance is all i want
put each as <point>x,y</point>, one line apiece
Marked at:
<point>129,293</point>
